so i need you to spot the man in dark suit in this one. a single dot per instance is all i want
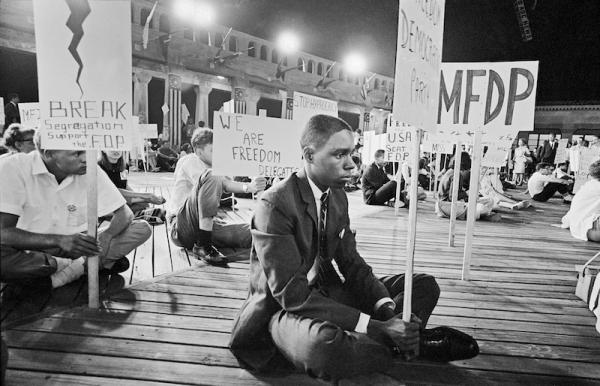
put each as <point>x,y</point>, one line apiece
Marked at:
<point>377,187</point>
<point>11,111</point>
<point>312,298</point>
<point>548,152</point>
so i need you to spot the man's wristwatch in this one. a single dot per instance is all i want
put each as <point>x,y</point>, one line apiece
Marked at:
<point>245,188</point>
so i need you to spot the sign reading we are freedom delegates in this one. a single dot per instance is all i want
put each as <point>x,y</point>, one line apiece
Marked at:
<point>84,72</point>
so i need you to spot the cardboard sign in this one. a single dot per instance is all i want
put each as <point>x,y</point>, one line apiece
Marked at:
<point>148,130</point>
<point>30,114</point>
<point>437,143</point>
<point>587,156</point>
<point>561,151</point>
<point>2,115</point>
<point>397,144</point>
<point>247,145</point>
<point>305,106</point>
<point>84,73</point>
<point>496,154</point>
<point>418,59</point>
<point>498,97</point>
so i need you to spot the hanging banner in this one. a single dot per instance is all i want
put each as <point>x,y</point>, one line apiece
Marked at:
<point>498,97</point>
<point>247,145</point>
<point>305,106</point>
<point>418,60</point>
<point>30,114</point>
<point>84,73</point>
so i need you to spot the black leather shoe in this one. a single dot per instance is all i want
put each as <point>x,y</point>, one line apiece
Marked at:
<point>210,255</point>
<point>119,266</point>
<point>445,344</point>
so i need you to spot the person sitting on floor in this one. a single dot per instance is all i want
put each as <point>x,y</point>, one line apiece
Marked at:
<point>490,186</point>
<point>562,172</point>
<point>19,139</point>
<point>166,158</point>
<point>117,169</point>
<point>542,185</point>
<point>299,309</point>
<point>443,203</point>
<point>193,209</point>
<point>376,185</point>
<point>583,218</point>
<point>43,220</point>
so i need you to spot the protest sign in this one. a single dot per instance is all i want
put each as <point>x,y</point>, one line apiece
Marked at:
<point>30,114</point>
<point>587,156</point>
<point>496,154</point>
<point>1,111</point>
<point>247,145</point>
<point>84,74</point>
<point>418,59</point>
<point>148,130</point>
<point>305,106</point>
<point>437,143</point>
<point>498,97</point>
<point>561,151</point>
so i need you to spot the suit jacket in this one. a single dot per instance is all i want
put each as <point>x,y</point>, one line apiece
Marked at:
<point>373,178</point>
<point>11,113</point>
<point>285,244</point>
<point>548,152</point>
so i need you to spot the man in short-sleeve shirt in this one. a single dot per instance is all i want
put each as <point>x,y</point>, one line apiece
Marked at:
<point>542,185</point>
<point>43,214</point>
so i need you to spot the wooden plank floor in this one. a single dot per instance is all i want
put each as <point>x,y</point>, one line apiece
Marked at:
<point>174,329</point>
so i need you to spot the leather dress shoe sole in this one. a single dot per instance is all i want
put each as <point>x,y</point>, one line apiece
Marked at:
<point>445,344</point>
<point>119,266</point>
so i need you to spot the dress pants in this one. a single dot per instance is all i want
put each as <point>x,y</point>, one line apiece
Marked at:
<point>549,190</point>
<point>324,350</point>
<point>203,201</point>
<point>385,193</point>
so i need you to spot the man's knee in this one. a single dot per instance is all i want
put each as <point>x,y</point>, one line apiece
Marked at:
<point>140,231</point>
<point>431,288</point>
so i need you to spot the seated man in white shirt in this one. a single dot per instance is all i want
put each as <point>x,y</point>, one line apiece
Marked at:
<point>584,216</point>
<point>43,217</point>
<point>542,185</point>
<point>193,209</point>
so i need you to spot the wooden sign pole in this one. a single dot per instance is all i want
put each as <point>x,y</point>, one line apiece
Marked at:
<point>472,210</point>
<point>398,177</point>
<point>412,227</point>
<point>438,165</point>
<point>91,157</point>
<point>455,186</point>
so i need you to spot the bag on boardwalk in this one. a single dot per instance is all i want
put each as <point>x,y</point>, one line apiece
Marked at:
<point>585,278</point>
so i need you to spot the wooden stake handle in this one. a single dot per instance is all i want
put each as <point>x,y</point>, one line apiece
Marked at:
<point>472,210</point>
<point>455,186</point>
<point>91,157</point>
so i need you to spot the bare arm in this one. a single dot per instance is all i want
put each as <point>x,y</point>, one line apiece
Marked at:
<point>133,197</point>
<point>257,185</point>
<point>121,219</point>
<point>73,245</point>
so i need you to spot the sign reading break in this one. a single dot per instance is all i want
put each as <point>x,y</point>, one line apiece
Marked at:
<point>418,59</point>
<point>84,73</point>
<point>247,145</point>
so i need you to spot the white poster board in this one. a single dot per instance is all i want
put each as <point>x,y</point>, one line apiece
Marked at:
<point>418,59</point>
<point>498,97</point>
<point>561,151</point>
<point>1,111</point>
<point>84,73</point>
<point>148,130</point>
<point>437,143</point>
<point>248,145</point>
<point>496,154</point>
<point>30,114</point>
<point>305,106</point>
<point>587,156</point>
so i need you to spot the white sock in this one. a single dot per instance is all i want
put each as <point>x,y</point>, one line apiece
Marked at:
<point>62,263</point>
<point>72,272</point>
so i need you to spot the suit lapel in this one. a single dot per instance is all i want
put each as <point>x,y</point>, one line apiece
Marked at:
<point>307,197</point>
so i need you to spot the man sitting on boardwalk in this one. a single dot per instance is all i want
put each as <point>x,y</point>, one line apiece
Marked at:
<point>377,187</point>
<point>193,208</point>
<point>331,322</point>
<point>584,216</point>
<point>542,185</point>
<point>43,218</point>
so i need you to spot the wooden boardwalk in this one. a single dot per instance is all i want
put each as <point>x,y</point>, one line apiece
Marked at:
<point>174,329</point>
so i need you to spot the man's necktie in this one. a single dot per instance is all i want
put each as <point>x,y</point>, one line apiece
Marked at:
<point>322,236</point>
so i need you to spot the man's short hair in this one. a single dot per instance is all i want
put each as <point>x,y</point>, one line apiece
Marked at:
<point>595,170</point>
<point>16,133</point>
<point>202,137</point>
<point>12,96</point>
<point>320,128</point>
<point>542,165</point>
<point>379,153</point>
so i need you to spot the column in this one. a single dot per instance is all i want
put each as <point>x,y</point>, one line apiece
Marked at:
<point>174,113</point>
<point>202,92</point>
<point>252,97</point>
<point>140,95</point>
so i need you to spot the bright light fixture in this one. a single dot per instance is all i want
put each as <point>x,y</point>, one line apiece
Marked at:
<point>355,64</point>
<point>204,15</point>
<point>288,43</point>
<point>184,8</point>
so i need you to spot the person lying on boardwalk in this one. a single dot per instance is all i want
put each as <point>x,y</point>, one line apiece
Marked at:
<point>377,187</point>
<point>490,186</point>
<point>444,194</point>
<point>542,185</point>
<point>313,301</point>
<point>117,169</point>
<point>43,219</point>
<point>193,209</point>
<point>584,216</point>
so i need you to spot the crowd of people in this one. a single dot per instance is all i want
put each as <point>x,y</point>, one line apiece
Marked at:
<point>313,301</point>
